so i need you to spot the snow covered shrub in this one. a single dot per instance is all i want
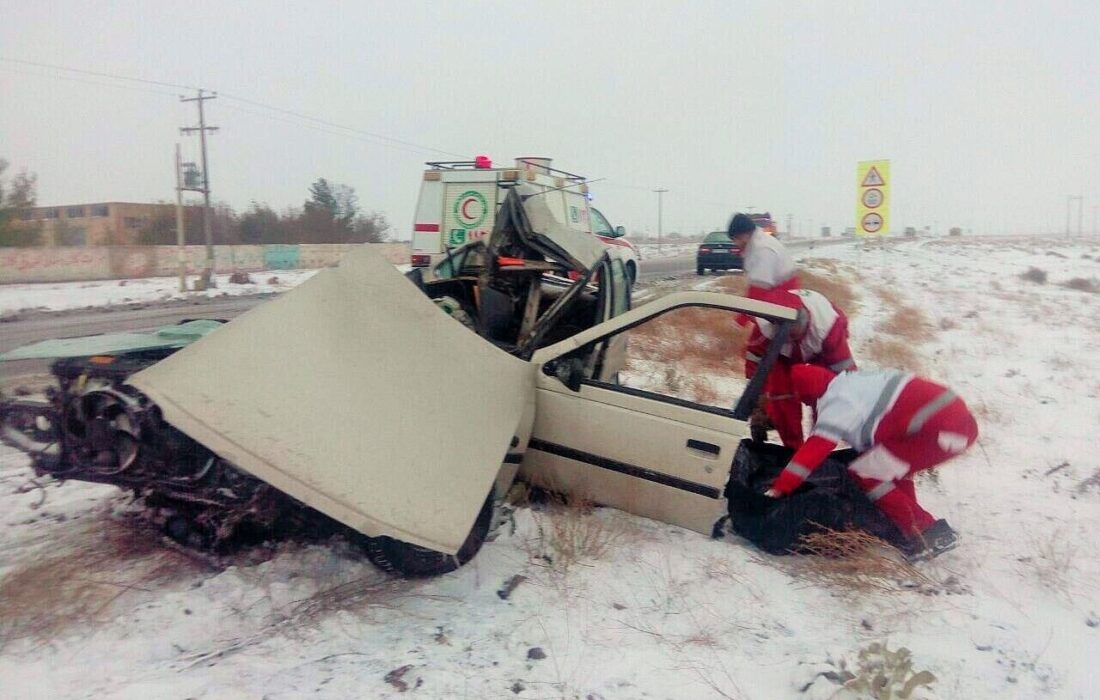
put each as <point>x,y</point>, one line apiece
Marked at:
<point>1082,284</point>
<point>1035,275</point>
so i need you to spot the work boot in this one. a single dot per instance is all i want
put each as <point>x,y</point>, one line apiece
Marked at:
<point>934,541</point>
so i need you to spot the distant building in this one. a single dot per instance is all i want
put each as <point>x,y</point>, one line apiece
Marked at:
<point>104,223</point>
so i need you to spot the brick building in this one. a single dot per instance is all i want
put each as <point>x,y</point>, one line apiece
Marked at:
<point>104,223</point>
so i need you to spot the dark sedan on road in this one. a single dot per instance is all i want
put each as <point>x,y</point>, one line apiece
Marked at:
<point>717,252</point>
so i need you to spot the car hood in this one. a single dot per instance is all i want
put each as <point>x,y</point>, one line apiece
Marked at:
<point>355,394</point>
<point>167,337</point>
<point>556,225</point>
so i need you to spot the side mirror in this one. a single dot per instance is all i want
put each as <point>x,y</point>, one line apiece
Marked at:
<point>620,231</point>
<point>570,372</point>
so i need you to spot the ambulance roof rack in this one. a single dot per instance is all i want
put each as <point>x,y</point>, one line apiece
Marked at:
<point>453,165</point>
<point>474,165</point>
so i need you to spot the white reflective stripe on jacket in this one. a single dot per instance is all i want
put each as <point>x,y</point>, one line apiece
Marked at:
<point>854,404</point>
<point>816,319</point>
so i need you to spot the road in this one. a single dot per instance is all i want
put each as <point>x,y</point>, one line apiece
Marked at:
<point>43,326</point>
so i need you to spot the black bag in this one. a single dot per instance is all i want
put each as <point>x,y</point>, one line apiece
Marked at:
<point>829,499</point>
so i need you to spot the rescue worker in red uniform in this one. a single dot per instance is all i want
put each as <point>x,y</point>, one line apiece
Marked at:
<point>768,266</point>
<point>820,335</point>
<point>901,424</point>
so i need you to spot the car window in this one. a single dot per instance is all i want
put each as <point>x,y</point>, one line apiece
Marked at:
<point>620,289</point>
<point>693,353</point>
<point>600,225</point>
<point>451,265</point>
<point>717,237</point>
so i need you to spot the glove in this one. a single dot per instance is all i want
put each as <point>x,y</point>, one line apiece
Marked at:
<point>772,493</point>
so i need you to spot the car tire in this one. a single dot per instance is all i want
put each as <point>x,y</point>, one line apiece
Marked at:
<point>413,561</point>
<point>700,270</point>
<point>631,273</point>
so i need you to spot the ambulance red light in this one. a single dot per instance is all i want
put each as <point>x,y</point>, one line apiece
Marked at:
<point>483,162</point>
<point>419,260</point>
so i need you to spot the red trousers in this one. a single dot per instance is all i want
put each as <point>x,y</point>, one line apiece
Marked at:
<point>782,407</point>
<point>885,472</point>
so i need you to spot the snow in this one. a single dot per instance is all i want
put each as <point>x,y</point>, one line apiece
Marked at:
<point>661,612</point>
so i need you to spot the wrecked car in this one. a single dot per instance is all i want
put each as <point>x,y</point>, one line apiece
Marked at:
<point>107,417</point>
<point>353,402</point>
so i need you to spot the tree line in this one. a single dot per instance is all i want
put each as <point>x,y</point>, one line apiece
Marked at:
<point>331,214</point>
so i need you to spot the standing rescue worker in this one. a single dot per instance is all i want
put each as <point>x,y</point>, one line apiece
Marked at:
<point>902,424</point>
<point>768,266</point>
<point>819,337</point>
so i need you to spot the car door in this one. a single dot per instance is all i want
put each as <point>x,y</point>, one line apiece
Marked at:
<point>657,443</point>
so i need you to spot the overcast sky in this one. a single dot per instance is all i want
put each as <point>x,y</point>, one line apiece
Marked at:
<point>988,111</point>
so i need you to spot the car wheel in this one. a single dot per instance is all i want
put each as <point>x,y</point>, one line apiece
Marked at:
<point>412,561</point>
<point>631,273</point>
<point>700,270</point>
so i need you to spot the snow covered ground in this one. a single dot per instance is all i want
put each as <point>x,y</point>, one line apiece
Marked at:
<point>58,296</point>
<point>93,605</point>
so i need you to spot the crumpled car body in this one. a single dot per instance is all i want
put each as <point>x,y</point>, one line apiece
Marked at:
<point>382,414</point>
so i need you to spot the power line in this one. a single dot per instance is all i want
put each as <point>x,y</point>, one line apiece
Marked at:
<point>99,74</point>
<point>229,96</point>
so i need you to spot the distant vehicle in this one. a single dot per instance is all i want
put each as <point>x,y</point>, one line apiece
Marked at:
<point>459,202</point>
<point>826,232</point>
<point>910,232</point>
<point>955,231</point>
<point>717,252</point>
<point>850,231</point>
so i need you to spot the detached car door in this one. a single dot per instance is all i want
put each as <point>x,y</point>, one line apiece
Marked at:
<point>653,430</point>
<point>356,395</point>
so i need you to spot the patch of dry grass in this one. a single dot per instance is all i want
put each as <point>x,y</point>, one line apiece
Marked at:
<point>80,586</point>
<point>1053,562</point>
<point>855,563</point>
<point>697,339</point>
<point>886,352</point>
<point>908,323</point>
<point>833,288</point>
<point>571,531</point>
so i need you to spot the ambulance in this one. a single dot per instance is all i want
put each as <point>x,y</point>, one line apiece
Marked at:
<point>458,203</point>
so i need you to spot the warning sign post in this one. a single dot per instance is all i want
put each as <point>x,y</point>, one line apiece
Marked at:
<point>873,197</point>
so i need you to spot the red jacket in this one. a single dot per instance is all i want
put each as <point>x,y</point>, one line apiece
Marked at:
<point>861,409</point>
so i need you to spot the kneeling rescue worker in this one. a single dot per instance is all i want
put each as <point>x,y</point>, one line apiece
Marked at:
<point>901,424</point>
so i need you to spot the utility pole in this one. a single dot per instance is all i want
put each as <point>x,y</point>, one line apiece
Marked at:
<point>1080,215</point>
<point>1069,216</point>
<point>179,222</point>
<point>660,215</point>
<point>790,220</point>
<point>202,128</point>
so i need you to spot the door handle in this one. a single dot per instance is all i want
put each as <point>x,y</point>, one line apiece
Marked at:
<point>704,447</point>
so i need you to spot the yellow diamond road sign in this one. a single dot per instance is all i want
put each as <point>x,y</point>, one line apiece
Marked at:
<point>873,197</point>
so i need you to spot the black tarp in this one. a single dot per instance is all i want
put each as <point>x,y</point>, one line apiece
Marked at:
<point>829,499</point>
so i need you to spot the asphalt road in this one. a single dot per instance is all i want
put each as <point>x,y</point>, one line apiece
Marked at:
<point>43,326</point>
